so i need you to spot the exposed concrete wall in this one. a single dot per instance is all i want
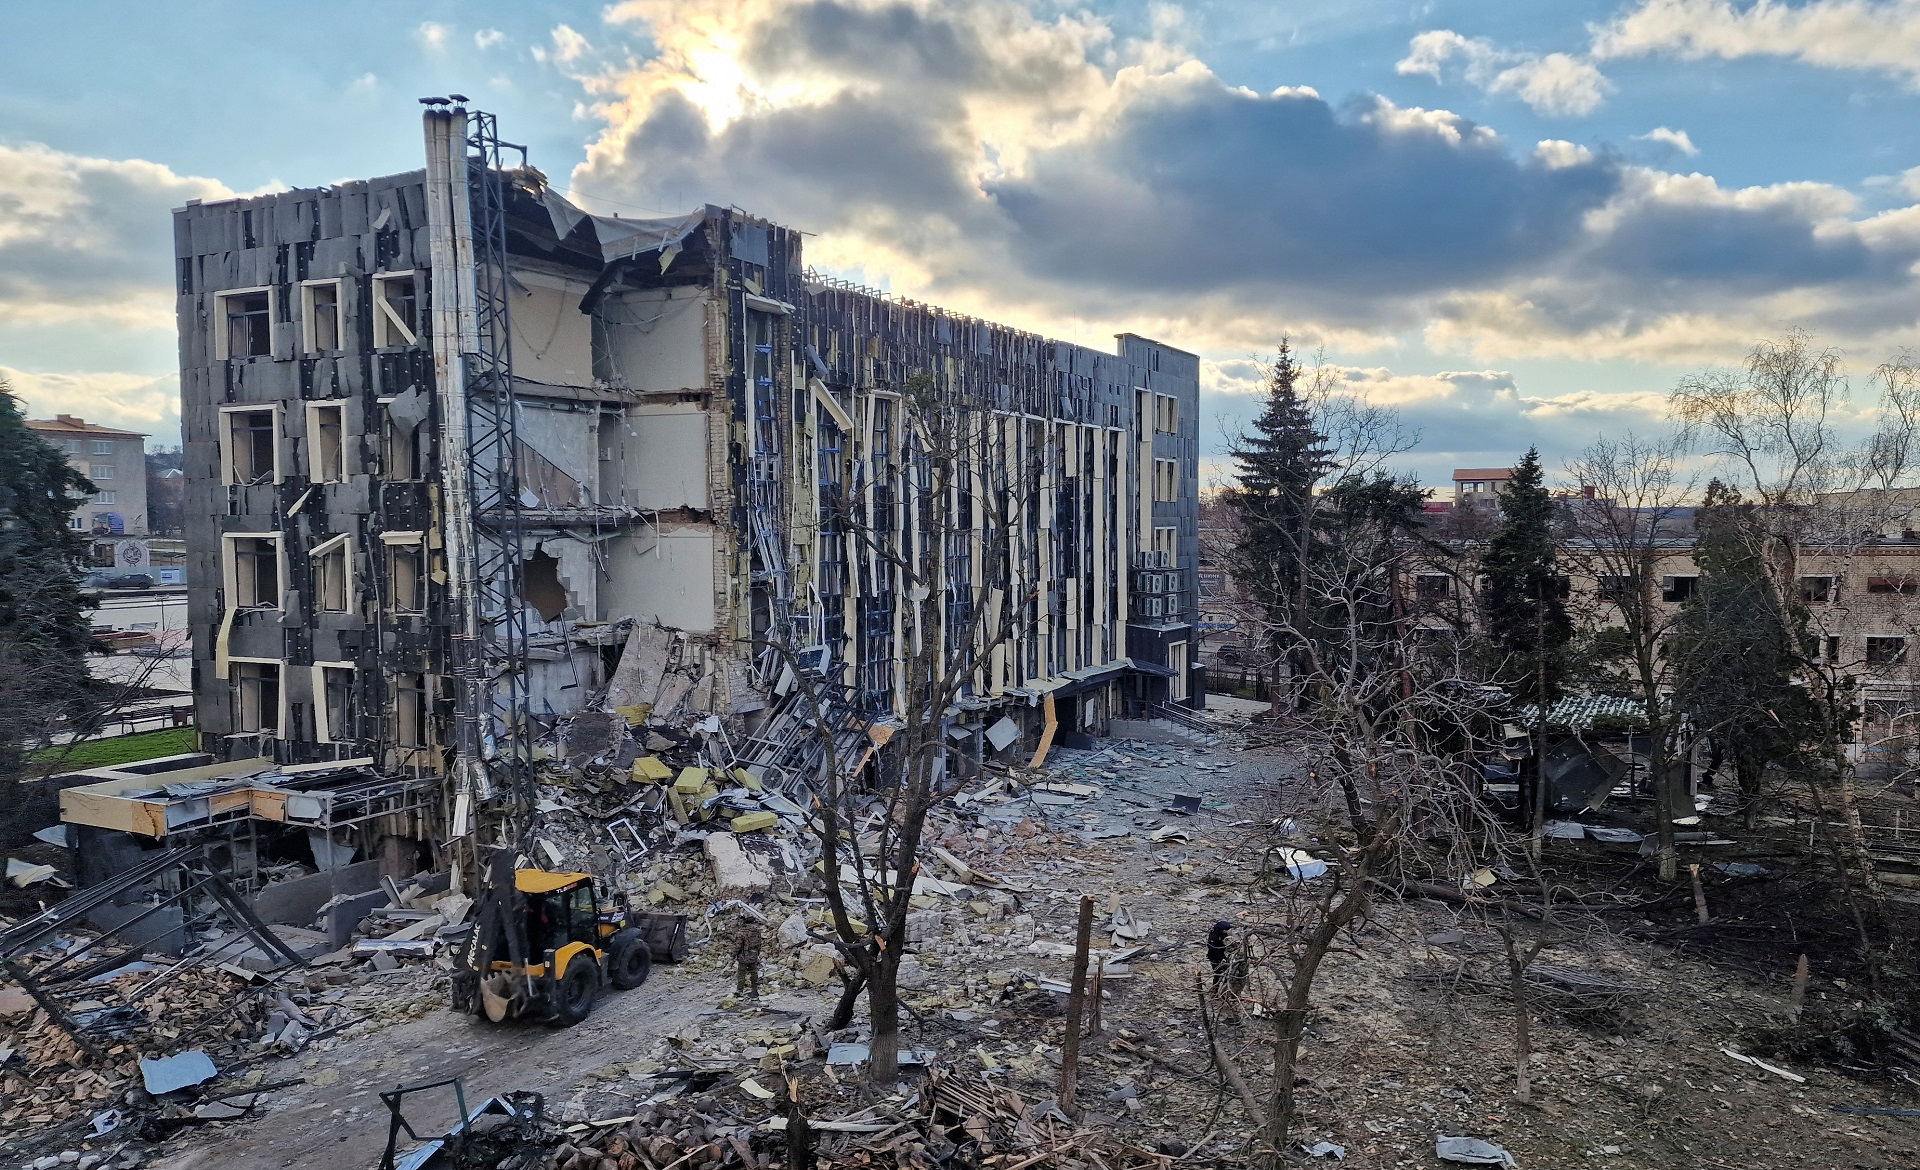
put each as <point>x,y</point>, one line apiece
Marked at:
<point>656,339</point>
<point>552,338</point>
<point>669,577</point>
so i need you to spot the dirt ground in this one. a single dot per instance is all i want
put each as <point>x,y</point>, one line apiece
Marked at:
<point>1405,1043</point>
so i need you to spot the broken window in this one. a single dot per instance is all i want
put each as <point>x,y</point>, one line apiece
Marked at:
<point>256,697</point>
<point>411,727</point>
<point>336,714</point>
<point>1886,651</point>
<point>249,446</point>
<point>1816,590</point>
<point>1677,588</point>
<point>253,571</point>
<point>1432,587</point>
<point>320,315</point>
<point>406,572</point>
<point>1902,585</point>
<point>394,311</point>
<point>243,323</point>
<point>333,574</point>
<point>1166,480</point>
<point>401,434</point>
<point>540,586</point>
<point>326,448</point>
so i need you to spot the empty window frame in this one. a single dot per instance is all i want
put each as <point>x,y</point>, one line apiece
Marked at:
<point>332,560</point>
<point>250,444</point>
<point>1907,586</point>
<point>326,442</point>
<point>1816,590</point>
<point>1166,480</point>
<point>336,712</point>
<point>412,712</point>
<point>400,454</point>
<point>320,316</point>
<point>1677,588</point>
<point>256,696</point>
<point>1617,587</point>
<point>243,323</point>
<point>406,571</point>
<point>1432,587</point>
<point>1166,414</point>
<point>1886,651</point>
<point>1167,541</point>
<point>103,446</point>
<point>251,568</point>
<point>395,310</point>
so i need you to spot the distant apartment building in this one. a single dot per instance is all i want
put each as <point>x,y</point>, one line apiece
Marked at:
<point>116,462</point>
<point>1479,487</point>
<point>464,461</point>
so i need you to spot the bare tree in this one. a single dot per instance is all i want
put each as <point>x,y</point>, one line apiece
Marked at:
<point>1625,527</point>
<point>1775,427</point>
<point>1386,731</point>
<point>952,535</point>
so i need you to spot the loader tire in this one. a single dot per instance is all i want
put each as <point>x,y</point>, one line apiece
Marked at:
<point>578,988</point>
<point>629,962</point>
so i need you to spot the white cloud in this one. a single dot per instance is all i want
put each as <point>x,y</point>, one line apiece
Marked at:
<point>1677,139</point>
<point>87,239</point>
<point>569,47</point>
<point>1881,36</point>
<point>487,38</point>
<point>1039,168</point>
<point>1554,84</point>
<point>365,83</point>
<point>135,402</point>
<point>433,35</point>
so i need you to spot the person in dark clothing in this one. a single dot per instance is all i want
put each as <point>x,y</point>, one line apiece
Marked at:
<point>746,958</point>
<point>1217,952</point>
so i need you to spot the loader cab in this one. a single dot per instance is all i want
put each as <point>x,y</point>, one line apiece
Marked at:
<point>561,909</point>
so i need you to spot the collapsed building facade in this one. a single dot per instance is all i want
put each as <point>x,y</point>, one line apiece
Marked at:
<point>465,462</point>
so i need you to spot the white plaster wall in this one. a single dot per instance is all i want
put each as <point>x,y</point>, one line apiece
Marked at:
<point>664,457</point>
<point>568,436</point>
<point>656,338</point>
<point>552,338</point>
<point>669,577</point>
<point>565,686</point>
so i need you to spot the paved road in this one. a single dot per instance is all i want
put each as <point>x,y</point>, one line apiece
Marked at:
<point>309,1127</point>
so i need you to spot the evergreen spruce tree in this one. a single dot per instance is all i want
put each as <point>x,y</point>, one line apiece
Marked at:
<point>1279,463</point>
<point>1736,653</point>
<point>45,630</point>
<point>1523,601</point>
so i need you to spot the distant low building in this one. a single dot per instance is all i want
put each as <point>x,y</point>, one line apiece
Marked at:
<point>116,462</point>
<point>1479,487</point>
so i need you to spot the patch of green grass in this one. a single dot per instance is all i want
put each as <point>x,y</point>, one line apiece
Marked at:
<point>121,749</point>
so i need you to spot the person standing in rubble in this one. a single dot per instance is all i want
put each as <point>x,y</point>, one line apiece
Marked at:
<point>747,940</point>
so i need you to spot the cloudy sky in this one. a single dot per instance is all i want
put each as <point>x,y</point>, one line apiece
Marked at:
<point>1515,222</point>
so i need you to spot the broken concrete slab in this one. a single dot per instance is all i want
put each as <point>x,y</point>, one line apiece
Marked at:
<point>736,871</point>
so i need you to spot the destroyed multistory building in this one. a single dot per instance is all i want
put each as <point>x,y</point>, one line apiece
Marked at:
<point>465,461</point>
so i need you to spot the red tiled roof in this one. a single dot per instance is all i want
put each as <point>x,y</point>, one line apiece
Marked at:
<point>1463,473</point>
